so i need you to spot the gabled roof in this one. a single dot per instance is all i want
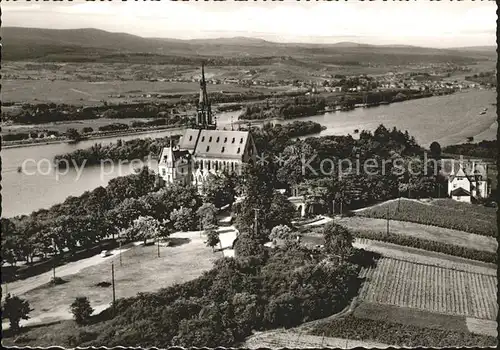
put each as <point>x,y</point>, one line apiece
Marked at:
<point>460,192</point>
<point>188,139</point>
<point>221,143</point>
<point>170,156</point>
<point>460,172</point>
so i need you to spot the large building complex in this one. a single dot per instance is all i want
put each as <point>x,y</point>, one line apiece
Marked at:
<point>205,149</point>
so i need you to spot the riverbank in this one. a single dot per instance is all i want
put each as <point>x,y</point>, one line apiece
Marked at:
<point>338,108</point>
<point>100,136</point>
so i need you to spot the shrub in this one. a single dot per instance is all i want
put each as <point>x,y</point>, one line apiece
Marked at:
<point>399,334</point>
<point>56,281</point>
<point>15,309</point>
<point>81,310</point>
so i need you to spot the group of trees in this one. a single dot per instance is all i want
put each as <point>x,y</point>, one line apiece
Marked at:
<point>132,207</point>
<point>483,149</point>
<point>331,168</point>
<point>258,290</point>
<point>27,135</point>
<point>120,150</point>
<point>287,109</point>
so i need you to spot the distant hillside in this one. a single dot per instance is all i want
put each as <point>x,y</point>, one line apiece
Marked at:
<point>94,45</point>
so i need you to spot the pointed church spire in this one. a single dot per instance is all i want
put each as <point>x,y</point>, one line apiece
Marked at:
<point>204,119</point>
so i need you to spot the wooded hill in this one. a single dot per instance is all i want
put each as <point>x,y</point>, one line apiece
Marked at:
<point>91,45</point>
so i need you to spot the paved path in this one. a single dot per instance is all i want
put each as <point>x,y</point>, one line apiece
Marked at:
<point>290,339</point>
<point>22,286</point>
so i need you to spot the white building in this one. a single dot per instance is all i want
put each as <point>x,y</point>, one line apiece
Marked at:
<point>468,182</point>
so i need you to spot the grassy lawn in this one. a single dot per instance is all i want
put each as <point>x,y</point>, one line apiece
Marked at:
<point>404,315</point>
<point>471,219</point>
<point>141,271</point>
<point>432,233</point>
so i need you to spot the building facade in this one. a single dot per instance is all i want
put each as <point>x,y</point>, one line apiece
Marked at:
<point>206,150</point>
<point>469,182</point>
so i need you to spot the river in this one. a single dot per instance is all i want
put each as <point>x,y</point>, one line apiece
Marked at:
<point>447,119</point>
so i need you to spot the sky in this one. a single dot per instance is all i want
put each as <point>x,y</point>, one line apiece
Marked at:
<point>419,22</point>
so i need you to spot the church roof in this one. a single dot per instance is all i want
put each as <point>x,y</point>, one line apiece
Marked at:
<point>188,139</point>
<point>221,144</point>
<point>215,143</point>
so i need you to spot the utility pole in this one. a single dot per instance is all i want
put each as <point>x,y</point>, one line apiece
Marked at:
<point>256,218</point>
<point>399,197</point>
<point>113,283</point>
<point>341,207</point>
<point>120,249</point>
<point>387,220</point>
<point>158,245</point>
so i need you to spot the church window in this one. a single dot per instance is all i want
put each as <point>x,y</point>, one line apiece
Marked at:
<point>210,139</point>
<point>216,166</point>
<point>201,165</point>
<point>208,148</point>
<point>190,137</point>
<point>225,139</point>
<point>163,171</point>
<point>222,151</point>
<point>208,166</point>
<point>233,140</point>
<point>241,140</point>
<point>182,170</point>
<point>238,150</point>
<point>218,138</point>
<point>203,139</point>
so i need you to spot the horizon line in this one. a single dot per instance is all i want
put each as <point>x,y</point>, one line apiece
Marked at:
<point>255,37</point>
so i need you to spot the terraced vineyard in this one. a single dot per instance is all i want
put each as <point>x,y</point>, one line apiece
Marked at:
<point>431,288</point>
<point>476,219</point>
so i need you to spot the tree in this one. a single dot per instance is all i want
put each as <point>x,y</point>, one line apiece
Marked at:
<point>435,149</point>
<point>73,134</point>
<point>183,219</point>
<point>87,130</point>
<point>207,215</point>
<point>294,170</point>
<point>274,208</point>
<point>15,309</point>
<point>281,232</point>
<point>9,244</point>
<point>281,211</point>
<point>213,238</point>
<point>144,228</point>
<point>338,240</point>
<point>219,190</point>
<point>81,310</point>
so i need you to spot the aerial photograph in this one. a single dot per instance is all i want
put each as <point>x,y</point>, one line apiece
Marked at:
<point>249,174</point>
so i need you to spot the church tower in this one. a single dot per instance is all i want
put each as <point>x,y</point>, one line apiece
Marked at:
<point>204,119</point>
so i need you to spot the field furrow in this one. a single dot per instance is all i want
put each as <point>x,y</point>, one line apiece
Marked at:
<point>431,288</point>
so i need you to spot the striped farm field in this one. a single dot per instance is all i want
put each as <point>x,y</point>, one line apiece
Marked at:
<point>477,220</point>
<point>431,288</point>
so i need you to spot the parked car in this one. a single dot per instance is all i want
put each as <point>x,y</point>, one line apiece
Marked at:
<point>105,253</point>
